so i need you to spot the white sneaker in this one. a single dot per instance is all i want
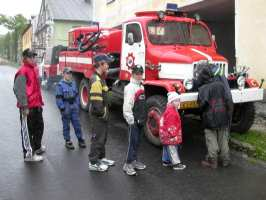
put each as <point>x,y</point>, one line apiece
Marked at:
<point>129,169</point>
<point>179,166</point>
<point>99,167</point>
<point>41,150</point>
<point>34,158</point>
<point>138,165</point>
<point>107,162</point>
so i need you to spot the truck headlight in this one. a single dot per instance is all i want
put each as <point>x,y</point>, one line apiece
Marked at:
<point>188,84</point>
<point>241,82</point>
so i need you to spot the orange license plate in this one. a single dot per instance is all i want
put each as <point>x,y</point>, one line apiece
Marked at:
<point>189,105</point>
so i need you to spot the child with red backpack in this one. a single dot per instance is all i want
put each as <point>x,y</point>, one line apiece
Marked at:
<point>171,133</point>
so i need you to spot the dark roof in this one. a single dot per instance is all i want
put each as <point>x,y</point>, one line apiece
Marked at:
<point>73,10</point>
<point>26,28</point>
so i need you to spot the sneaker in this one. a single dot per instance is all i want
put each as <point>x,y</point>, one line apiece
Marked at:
<point>107,162</point>
<point>34,158</point>
<point>209,163</point>
<point>82,144</point>
<point>167,164</point>
<point>99,167</point>
<point>138,165</point>
<point>129,169</point>
<point>40,150</point>
<point>69,145</point>
<point>179,166</point>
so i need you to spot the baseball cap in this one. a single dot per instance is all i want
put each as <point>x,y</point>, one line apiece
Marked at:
<point>28,53</point>
<point>102,57</point>
<point>67,70</point>
<point>137,69</point>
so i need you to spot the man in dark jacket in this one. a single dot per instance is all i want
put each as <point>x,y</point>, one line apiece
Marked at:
<point>216,105</point>
<point>99,115</point>
<point>29,101</point>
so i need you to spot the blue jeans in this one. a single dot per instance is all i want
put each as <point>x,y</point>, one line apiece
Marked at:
<point>170,154</point>
<point>71,114</point>
<point>133,142</point>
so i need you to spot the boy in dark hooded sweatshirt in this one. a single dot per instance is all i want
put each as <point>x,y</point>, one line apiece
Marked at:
<point>215,105</point>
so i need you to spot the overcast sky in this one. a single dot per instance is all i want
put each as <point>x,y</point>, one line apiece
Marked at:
<point>25,7</point>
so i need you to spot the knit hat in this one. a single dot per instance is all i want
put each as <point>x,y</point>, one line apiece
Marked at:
<point>172,96</point>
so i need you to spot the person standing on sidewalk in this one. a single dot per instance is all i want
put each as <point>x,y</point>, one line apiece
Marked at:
<point>171,133</point>
<point>134,113</point>
<point>67,100</point>
<point>99,114</point>
<point>215,105</point>
<point>29,101</point>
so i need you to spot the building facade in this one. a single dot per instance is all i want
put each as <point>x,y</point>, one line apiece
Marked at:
<point>108,9</point>
<point>27,37</point>
<point>55,19</point>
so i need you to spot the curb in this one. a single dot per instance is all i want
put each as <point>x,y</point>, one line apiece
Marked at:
<point>245,151</point>
<point>242,146</point>
<point>251,160</point>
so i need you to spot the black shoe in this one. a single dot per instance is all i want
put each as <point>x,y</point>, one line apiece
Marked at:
<point>82,144</point>
<point>167,164</point>
<point>69,145</point>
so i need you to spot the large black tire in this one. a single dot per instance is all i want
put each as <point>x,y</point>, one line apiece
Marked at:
<point>243,117</point>
<point>155,107</point>
<point>84,94</point>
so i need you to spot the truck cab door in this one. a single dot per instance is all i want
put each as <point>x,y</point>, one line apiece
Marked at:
<point>133,48</point>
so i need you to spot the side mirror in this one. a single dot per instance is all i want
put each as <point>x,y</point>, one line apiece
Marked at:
<point>213,38</point>
<point>130,38</point>
<point>214,41</point>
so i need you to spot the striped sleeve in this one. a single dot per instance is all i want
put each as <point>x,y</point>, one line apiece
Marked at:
<point>96,99</point>
<point>96,91</point>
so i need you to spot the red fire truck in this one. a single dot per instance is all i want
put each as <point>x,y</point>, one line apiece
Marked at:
<point>170,45</point>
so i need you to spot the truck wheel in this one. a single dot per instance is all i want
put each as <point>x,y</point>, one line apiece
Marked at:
<point>155,107</point>
<point>243,117</point>
<point>84,94</point>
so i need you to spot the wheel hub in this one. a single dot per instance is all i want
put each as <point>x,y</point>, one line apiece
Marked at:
<point>153,121</point>
<point>84,95</point>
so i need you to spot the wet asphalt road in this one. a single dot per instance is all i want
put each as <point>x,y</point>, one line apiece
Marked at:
<point>64,175</point>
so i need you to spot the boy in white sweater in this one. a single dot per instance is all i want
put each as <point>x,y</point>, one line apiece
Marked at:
<point>134,113</point>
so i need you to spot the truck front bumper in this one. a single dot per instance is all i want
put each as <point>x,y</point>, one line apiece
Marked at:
<point>189,100</point>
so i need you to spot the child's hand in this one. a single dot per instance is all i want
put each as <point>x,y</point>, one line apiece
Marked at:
<point>174,139</point>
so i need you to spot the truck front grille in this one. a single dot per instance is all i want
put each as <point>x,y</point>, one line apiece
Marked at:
<point>223,65</point>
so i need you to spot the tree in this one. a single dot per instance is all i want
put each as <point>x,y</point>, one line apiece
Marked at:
<point>10,45</point>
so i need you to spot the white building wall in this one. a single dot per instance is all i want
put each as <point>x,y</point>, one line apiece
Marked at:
<point>250,30</point>
<point>116,12</point>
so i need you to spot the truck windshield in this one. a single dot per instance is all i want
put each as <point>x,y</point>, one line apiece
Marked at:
<point>172,32</point>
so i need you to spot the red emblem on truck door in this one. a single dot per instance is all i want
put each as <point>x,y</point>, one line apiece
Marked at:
<point>130,60</point>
